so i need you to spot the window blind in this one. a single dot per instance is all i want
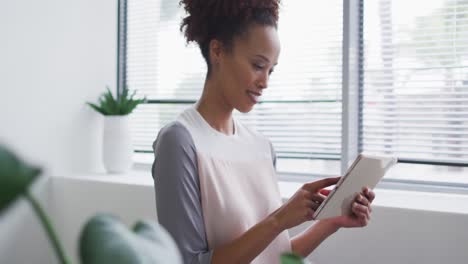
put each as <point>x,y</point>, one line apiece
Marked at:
<point>301,108</point>
<point>415,83</point>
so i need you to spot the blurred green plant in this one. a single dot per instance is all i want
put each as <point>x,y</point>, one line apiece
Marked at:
<point>123,104</point>
<point>105,239</point>
<point>15,178</point>
<point>291,258</point>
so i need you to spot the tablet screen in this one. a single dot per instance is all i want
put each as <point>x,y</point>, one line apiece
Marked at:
<point>367,171</point>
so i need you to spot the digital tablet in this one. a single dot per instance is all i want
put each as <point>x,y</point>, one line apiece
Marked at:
<point>367,171</point>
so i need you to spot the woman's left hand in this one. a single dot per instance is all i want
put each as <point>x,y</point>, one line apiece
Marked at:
<point>361,211</point>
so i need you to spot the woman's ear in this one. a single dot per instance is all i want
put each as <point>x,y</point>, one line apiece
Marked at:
<point>216,50</point>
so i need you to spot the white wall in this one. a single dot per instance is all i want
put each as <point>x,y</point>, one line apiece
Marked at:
<point>54,56</point>
<point>397,235</point>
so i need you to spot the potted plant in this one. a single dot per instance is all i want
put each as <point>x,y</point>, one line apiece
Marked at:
<point>117,141</point>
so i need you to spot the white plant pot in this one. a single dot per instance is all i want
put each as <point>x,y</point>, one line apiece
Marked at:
<point>117,144</point>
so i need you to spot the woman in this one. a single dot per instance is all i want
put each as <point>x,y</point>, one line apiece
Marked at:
<point>216,189</point>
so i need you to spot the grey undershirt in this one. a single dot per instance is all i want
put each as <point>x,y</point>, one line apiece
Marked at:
<point>177,187</point>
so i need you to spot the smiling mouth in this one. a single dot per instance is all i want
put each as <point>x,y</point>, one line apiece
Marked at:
<point>254,97</point>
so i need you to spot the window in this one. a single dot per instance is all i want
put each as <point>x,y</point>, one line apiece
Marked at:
<point>304,91</point>
<point>411,61</point>
<point>415,85</point>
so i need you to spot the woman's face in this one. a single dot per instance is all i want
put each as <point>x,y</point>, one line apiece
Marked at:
<point>244,71</point>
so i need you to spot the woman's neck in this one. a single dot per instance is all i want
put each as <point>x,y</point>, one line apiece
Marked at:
<point>215,110</point>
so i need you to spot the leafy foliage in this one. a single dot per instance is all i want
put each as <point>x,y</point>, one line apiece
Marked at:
<point>105,239</point>
<point>15,177</point>
<point>291,258</point>
<point>124,104</point>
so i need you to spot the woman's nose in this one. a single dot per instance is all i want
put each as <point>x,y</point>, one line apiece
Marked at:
<point>262,82</point>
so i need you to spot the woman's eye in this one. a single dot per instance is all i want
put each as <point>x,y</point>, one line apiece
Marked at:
<point>258,67</point>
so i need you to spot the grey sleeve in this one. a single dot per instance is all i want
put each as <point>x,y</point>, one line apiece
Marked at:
<point>177,190</point>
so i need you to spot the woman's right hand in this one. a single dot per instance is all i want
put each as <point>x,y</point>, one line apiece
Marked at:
<point>302,205</point>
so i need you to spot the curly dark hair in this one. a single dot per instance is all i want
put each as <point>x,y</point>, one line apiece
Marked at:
<point>223,20</point>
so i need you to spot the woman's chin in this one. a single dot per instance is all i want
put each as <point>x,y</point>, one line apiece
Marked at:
<point>245,108</point>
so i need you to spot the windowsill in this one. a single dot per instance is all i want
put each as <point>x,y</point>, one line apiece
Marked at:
<point>433,177</point>
<point>135,177</point>
<point>403,199</point>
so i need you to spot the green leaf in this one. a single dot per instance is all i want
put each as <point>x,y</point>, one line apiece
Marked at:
<point>124,104</point>
<point>131,96</point>
<point>105,105</point>
<point>131,106</point>
<point>123,96</point>
<point>97,108</point>
<point>104,239</point>
<point>291,258</point>
<point>111,103</point>
<point>15,177</point>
